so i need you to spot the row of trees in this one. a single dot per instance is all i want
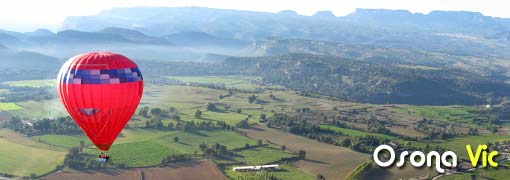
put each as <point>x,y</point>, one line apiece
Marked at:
<point>176,158</point>
<point>77,159</point>
<point>61,125</point>
<point>214,150</point>
<point>263,175</point>
<point>147,112</point>
<point>157,123</point>
<point>298,125</point>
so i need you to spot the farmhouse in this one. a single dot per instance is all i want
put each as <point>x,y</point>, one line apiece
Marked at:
<point>255,168</point>
<point>27,123</point>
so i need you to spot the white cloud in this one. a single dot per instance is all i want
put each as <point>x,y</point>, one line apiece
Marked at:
<point>28,14</point>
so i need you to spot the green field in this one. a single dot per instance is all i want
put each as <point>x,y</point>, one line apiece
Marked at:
<point>22,156</point>
<point>239,82</point>
<point>459,114</point>
<point>187,100</point>
<point>231,118</point>
<point>261,155</point>
<point>139,147</point>
<point>32,83</point>
<point>9,107</point>
<point>65,141</point>
<point>138,154</point>
<point>354,133</point>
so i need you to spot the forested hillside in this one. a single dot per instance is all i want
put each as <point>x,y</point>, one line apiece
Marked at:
<point>360,81</point>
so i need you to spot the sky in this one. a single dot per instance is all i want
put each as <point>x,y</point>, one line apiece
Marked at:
<point>28,15</point>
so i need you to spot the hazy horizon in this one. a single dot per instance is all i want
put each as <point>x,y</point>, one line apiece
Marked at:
<point>17,16</point>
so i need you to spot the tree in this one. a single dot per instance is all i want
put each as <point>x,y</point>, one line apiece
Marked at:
<point>144,112</point>
<point>284,147</point>
<point>243,124</point>
<point>82,145</point>
<point>263,116</point>
<point>156,111</point>
<point>198,114</point>
<point>302,154</point>
<point>90,164</point>
<point>320,177</point>
<point>170,125</point>
<point>252,99</point>
<point>246,146</point>
<point>147,124</point>
<point>239,111</point>
<point>259,142</point>
<point>176,139</point>
<point>211,107</point>
<point>494,129</point>
<point>159,124</point>
<point>203,146</point>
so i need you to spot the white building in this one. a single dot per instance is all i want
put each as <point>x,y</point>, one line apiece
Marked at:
<point>255,168</point>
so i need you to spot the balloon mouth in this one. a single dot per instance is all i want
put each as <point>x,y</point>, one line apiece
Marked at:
<point>103,147</point>
<point>89,111</point>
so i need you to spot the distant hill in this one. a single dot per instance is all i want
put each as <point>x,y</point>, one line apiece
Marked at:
<point>134,36</point>
<point>245,25</point>
<point>181,46</point>
<point>25,60</point>
<point>107,36</point>
<point>288,13</point>
<point>452,32</point>
<point>192,38</point>
<point>353,80</point>
<point>324,14</point>
<point>461,22</point>
<point>40,32</point>
<point>372,82</point>
<point>374,53</point>
<point>249,24</point>
<point>26,65</point>
<point>8,39</point>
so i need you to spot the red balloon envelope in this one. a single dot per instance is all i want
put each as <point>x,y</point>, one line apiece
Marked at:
<point>101,91</point>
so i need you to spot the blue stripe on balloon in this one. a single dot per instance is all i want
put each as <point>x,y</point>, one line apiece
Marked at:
<point>102,76</point>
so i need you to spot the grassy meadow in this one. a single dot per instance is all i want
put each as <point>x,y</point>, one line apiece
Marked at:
<point>459,114</point>
<point>9,107</point>
<point>32,83</point>
<point>354,133</point>
<point>22,156</point>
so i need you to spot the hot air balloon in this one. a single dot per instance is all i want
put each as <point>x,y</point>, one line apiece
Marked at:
<point>100,91</point>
